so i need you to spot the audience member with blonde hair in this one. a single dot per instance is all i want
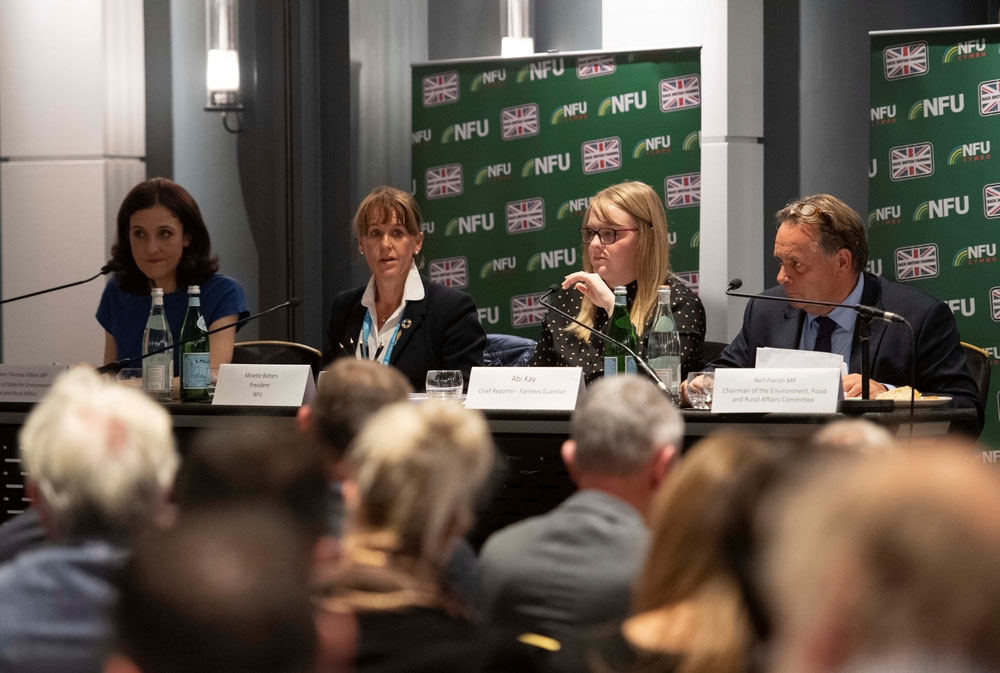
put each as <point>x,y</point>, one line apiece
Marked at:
<point>416,472</point>
<point>889,565</point>
<point>625,242</point>
<point>100,459</point>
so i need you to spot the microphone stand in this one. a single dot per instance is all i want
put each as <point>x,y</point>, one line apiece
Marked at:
<point>104,270</point>
<point>115,367</point>
<point>865,316</point>
<point>646,369</point>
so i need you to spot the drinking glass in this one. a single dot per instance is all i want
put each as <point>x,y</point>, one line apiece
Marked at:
<point>130,376</point>
<point>444,384</point>
<point>700,386</point>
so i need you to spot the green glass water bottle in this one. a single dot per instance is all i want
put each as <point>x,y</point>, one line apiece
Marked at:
<point>620,327</point>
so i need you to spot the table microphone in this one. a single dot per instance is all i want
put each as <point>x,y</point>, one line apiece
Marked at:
<point>642,363</point>
<point>104,270</point>
<point>115,367</point>
<point>868,311</point>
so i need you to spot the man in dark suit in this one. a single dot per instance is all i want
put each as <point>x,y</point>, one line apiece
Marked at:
<point>574,567</point>
<point>822,250</point>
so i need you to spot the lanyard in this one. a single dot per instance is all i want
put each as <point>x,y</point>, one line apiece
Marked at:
<point>366,329</point>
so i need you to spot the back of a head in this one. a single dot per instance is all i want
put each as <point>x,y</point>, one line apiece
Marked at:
<point>854,435</point>
<point>101,455</point>
<point>419,470</point>
<point>898,554</point>
<point>621,423</point>
<point>257,462</point>
<point>349,392</point>
<point>224,591</point>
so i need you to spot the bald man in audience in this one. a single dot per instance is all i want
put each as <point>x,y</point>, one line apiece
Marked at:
<point>574,567</point>
<point>889,564</point>
<point>100,459</point>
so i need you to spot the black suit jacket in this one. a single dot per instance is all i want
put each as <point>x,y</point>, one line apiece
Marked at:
<point>444,332</point>
<point>941,365</point>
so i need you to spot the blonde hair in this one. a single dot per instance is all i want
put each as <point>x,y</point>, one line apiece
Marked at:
<point>419,469</point>
<point>686,562</point>
<point>652,252</point>
<point>380,204</point>
<point>101,455</point>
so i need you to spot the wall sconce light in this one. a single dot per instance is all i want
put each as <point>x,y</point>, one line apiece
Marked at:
<point>222,72</point>
<point>517,40</point>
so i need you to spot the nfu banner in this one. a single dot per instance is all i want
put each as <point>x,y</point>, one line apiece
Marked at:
<point>507,152</point>
<point>934,187</point>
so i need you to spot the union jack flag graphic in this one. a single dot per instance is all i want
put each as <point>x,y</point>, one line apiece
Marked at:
<point>526,215</point>
<point>440,89</point>
<point>602,155</point>
<point>989,97</point>
<point>905,60</point>
<point>594,66</point>
<point>995,303</point>
<point>991,200</point>
<point>911,161</point>
<point>683,190</point>
<point>678,93</point>
<point>917,261</point>
<point>519,121</point>
<point>443,180</point>
<point>526,310</point>
<point>450,272</point>
<point>689,278</point>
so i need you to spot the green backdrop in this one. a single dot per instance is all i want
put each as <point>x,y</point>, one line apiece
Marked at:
<point>507,152</point>
<point>934,191</point>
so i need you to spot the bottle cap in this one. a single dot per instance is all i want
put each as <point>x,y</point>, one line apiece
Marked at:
<point>157,291</point>
<point>194,289</point>
<point>619,289</point>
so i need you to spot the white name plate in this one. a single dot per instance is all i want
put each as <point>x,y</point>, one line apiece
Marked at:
<point>544,388</point>
<point>265,385</point>
<point>27,383</point>
<point>788,391</point>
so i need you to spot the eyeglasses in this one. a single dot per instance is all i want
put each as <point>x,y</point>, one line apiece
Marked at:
<point>608,235</point>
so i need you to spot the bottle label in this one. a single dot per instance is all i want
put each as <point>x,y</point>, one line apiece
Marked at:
<point>155,379</point>
<point>196,372</point>
<point>201,323</point>
<point>611,365</point>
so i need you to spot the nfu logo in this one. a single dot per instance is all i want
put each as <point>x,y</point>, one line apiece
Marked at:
<point>873,169</point>
<point>489,315</point>
<point>541,70</point>
<point>885,215</point>
<point>477,128</point>
<point>546,165</point>
<point>650,146</point>
<point>965,306</point>
<point>984,253</point>
<point>420,136</point>
<point>570,112</point>
<point>623,102</point>
<point>963,51</point>
<point>573,207</point>
<point>469,224</point>
<point>874,266</point>
<point>552,259</point>
<point>935,107</point>
<point>969,152</point>
<point>938,208</point>
<point>501,266</point>
<point>883,114</point>
<point>490,78</point>
<point>494,173</point>
<point>427,226</point>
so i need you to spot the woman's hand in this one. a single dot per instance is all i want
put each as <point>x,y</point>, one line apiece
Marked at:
<point>593,287</point>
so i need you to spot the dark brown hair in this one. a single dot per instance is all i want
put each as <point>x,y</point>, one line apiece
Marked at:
<point>197,262</point>
<point>838,225</point>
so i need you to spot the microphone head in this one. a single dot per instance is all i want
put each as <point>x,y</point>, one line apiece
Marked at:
<point>294,301</point>
<point>735,284</point>
<point>555,287</point>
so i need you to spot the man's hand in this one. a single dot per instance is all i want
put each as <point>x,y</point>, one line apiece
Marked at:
<point>852,386</point>
<point>593,287</point>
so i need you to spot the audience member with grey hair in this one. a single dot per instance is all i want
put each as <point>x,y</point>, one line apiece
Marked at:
<point>100,459</point>
<point>854,435</point>
<point>574,567</point>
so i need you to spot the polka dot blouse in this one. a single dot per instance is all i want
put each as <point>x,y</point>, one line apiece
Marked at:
<point>559,347</point>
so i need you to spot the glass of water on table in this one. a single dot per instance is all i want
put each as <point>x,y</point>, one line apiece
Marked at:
<point>700,386</point>
<point>444,384</point>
